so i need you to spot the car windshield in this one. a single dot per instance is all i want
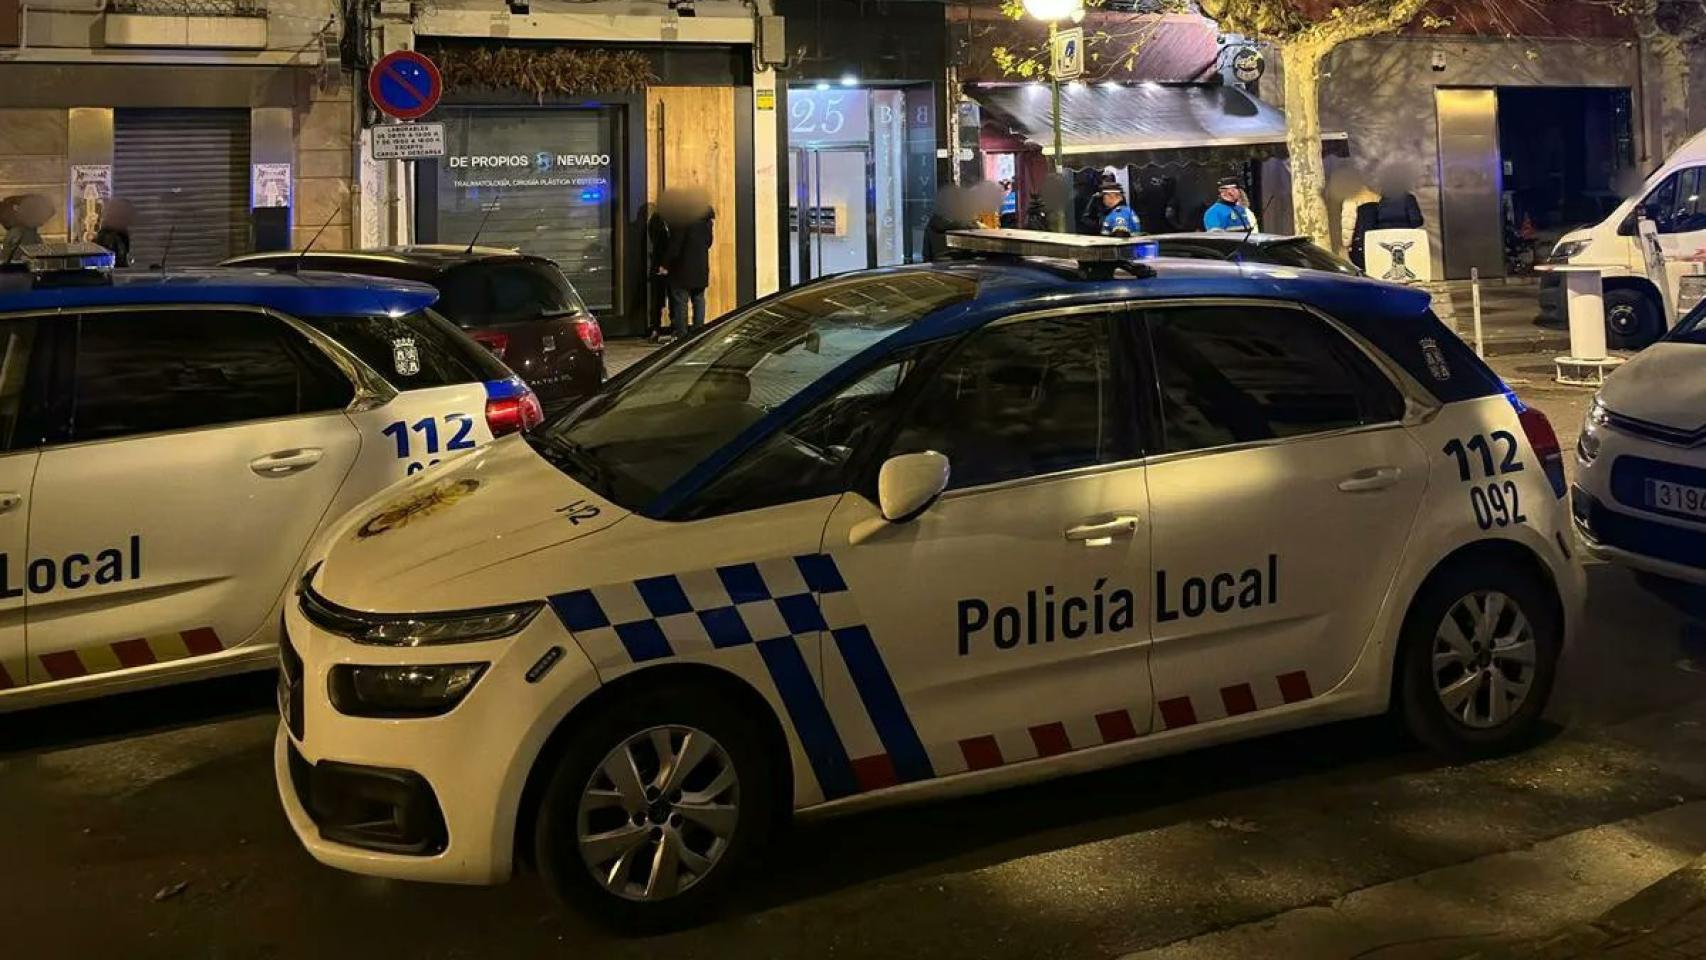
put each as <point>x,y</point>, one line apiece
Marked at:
<point>644,433</point>
<point>1692,329</point>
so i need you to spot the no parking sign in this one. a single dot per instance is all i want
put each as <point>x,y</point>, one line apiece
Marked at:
<point>405,84</point>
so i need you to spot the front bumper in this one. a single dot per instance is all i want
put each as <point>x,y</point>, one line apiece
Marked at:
<point>1612,519</point>
<point>428,798</point>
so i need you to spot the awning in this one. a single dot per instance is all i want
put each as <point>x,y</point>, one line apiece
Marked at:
<point>1104,118</point>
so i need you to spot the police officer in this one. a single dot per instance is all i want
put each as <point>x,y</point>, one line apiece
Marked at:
<point>1229,212</point>
<point>1118,219</point>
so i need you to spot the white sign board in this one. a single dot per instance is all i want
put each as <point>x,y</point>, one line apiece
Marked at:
<point>408,141</point>
<point>1400,256</point>
<point>1067,61</point>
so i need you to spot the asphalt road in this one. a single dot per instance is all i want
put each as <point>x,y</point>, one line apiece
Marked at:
<point>147,826</point>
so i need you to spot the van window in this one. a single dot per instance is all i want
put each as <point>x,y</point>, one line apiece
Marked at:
<point>1676,205</point>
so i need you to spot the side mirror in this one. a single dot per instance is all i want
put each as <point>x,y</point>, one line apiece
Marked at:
<point>910,483</point>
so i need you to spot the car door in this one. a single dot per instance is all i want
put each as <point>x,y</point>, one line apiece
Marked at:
<point>198,451</point>
<point>1678,211</point>
<point>1280,501</point>
<point>19,434</point>
<point>1009,621</point>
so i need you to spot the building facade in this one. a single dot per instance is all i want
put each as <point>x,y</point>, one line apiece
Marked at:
<point>227,124</point>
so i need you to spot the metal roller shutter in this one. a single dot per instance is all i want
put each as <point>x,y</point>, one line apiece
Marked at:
<point>187,171</point>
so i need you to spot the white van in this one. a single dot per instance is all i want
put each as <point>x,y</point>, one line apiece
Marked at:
<point>1634,307</point>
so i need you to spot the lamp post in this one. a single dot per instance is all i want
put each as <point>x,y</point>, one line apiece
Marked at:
<point>1054,11</point>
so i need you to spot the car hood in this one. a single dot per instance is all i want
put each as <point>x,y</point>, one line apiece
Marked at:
<point>415,547</point>
<point>1661,384</point>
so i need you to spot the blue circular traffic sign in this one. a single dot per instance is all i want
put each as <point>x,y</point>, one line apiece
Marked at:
<point>405,84</point>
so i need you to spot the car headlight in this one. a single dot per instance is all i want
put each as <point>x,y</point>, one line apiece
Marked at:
<point>416,629</point>
<point>1593,426</point>
<point>1567,249</point>
<point>401,691</point>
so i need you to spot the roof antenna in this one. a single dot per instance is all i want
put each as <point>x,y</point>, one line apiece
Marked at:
<point>166,255</point>
<point>490,209</point>
<point>1249,231</point>
<point>295,266</point>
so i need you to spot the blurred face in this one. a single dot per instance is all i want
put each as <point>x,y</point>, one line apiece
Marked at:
<point>1111,200</point>
<point>1230,194</point>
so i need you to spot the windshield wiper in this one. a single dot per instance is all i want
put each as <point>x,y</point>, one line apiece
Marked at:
<point>565,454</point>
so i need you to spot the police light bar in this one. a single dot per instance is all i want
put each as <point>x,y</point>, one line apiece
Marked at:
<point>79,257</point>
<point>1062,246</point>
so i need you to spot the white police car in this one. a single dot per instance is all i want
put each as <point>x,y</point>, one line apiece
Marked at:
<point>917,531</point>
<point>1640,495</point>
<point>170,445</point>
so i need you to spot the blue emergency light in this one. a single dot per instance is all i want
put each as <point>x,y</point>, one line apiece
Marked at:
<point>1097,257</point>
<point>67,264</point>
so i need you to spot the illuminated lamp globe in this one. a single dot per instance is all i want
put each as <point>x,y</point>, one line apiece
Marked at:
<point>1053,9</point>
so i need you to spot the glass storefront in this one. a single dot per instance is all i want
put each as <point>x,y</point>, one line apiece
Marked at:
<point>544,181</point>
<point>861,163</point>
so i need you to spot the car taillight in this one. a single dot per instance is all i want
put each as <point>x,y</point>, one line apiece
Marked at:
<point>498,343</point>
<point>591,334</point>
<point>511,407</point>
<point>1544,440</point>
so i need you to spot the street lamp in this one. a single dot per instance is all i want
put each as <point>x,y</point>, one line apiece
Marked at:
<point>1052,12</point>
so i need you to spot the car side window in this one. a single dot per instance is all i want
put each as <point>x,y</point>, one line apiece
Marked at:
<point>17,340</point>
<point>811,456</point>
<point>1235,374</point>
<point>1676,205</point>
<point>1021,398</point>
<point>148,371</point>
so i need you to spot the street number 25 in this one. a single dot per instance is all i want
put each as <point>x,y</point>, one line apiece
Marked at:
<point>428,429</point>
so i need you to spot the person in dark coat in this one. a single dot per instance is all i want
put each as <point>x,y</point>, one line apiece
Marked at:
<point>687,258</point>
<point>948,215</point>
<point>1393,211</point>
<point>114,234</point>
<point>657,285</point>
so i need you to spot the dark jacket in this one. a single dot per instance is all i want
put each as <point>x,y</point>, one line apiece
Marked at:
<point>118,241</point>
<point>1399,212</point>
<point>688,256</point>
<point>936,236</point>
<point>657,240</point>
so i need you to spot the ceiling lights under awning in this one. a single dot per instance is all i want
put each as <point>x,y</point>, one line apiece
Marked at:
<point>1111,118</point>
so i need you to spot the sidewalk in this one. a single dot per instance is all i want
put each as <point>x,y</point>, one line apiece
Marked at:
<point>1508,311</point>
<point>1666,921</point>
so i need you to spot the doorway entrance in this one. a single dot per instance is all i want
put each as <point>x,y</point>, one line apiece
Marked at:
<point>829,221</point>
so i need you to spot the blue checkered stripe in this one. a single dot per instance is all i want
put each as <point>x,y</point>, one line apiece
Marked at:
<point>769,605</point>
<point>681,614</point>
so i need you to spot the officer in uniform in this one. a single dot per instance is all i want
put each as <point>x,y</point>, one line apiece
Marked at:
<point>1118,219</point>
<point>1228,212</point>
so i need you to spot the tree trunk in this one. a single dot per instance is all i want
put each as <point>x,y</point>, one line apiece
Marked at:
<point>1303,138</point>
<point>1673,91</point>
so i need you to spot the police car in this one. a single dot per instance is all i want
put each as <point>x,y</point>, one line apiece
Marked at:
<point>174,441</point>
<point>1640,498</point>
<point>918,531</point>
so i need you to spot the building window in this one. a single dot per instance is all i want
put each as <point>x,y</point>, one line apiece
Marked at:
<point>544,181</point>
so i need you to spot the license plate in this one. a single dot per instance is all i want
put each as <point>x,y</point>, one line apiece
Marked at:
<point>1676,498</point>
<point>548,341</point>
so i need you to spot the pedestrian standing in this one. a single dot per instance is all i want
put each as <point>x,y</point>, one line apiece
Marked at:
<point>114,234</point>
<point>687,263</point>
<point>657,285</point>
<point>1230,211</point>
<point>1118,219</point>
<point>948,215</point>
<point>26,216</point>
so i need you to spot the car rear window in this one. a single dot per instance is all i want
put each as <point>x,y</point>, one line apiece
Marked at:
<point>414,351</point>
<point>1302,253</point>
<point>507,291</point>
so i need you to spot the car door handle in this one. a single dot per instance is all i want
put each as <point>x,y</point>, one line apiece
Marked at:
<point>283,463</point>
<point>1103,528</point>
<point>10,501</point>
<point>1374,478</point>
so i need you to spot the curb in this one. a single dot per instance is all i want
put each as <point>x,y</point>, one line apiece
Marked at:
<point>1647,915</point>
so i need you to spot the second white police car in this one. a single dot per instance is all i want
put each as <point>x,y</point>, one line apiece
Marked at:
<point>917,531</point>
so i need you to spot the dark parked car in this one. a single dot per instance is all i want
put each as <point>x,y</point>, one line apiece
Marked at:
<point>1277,249</point>
<point>522,308</point>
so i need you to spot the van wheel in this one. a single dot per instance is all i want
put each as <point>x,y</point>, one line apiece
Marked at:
<point>655,806</point>
<point>1479,656</point>
<point>1631,319</point>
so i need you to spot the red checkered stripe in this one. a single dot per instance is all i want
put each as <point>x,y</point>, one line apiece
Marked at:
<point>102,658</point>
<point>1053,739</point>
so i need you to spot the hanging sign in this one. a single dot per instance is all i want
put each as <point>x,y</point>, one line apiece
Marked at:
<point>405,84</point>
<point>407,141</point>
<point>1066,61</point>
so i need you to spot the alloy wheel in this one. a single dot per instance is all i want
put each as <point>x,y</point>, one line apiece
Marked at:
<point>658,813</point>
<point>1484,659</point>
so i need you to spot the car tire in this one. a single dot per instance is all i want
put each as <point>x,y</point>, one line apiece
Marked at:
<point>1447,689</point>
<point>582,800</point>
<point>1631,319</point>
